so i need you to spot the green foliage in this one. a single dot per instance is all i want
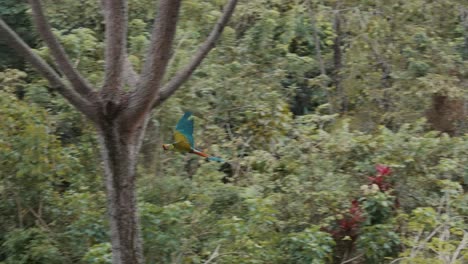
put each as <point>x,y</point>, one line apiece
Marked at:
<point>308,246</point>
<point>51,194</point>
<point>438,236</point>
<point>378,207</point>
<point>31,246</point>
<point>378,242</point>
<point>14,13</point>
<point>30,154</point>
<point>166,230</point>
<point>84,49</point>
<point>300,144</point>
<point>99,254</point>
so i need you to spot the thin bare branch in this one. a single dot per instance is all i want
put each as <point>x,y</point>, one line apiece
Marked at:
<point>398,259</point>
<point>422,244</point>
<point>352,259</point>
<point>15,42</point>
<point>460,247</point>
<point>43,27</point>
<point>169,88</point>
<point>116,16</point>
<point>158,56</point>
<point>318,50</point>
<point>39,219</point>
<point>416,241</point>
<point>214,255</point>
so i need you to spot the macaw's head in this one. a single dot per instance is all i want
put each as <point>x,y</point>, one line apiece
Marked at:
<point>168,146</point>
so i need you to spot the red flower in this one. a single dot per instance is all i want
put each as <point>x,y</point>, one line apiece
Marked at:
<point>383,170</point>
<point>379,179</point>
<point>349,225</point>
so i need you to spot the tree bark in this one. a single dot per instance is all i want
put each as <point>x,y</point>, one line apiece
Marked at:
<point>170,87</point>
<point>119,151</point>
<point>115,14</point>
<point>318,54</point>
<point>158,55</point>
<point>338,61</point>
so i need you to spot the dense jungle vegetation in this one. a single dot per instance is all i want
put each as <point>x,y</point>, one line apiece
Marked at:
<point>343,124</point>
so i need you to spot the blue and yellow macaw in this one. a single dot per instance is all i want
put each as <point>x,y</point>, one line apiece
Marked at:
<point>183,137</point>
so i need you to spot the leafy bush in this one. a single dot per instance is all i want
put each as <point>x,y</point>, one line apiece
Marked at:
<point>308,246</point>
<point>31,245</point>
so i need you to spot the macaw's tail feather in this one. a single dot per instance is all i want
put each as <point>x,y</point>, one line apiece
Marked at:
<point>199,153</point>
<point>213,158</point>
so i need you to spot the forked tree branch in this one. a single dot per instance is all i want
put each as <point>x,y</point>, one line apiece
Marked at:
<point>116,16</point>
<point>60,57</point>
<point>157,58</point>
<point>15,42</point>
<point>181,76</point>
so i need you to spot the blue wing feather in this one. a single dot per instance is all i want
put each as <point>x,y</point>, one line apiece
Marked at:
<point>185,126</point>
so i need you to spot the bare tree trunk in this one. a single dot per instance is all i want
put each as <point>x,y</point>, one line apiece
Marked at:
<point>338,61</point>
<point>119,154</point>
<point>464,19</point>
<point>318,52</point>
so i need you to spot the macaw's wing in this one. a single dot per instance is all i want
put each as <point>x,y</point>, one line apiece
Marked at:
<point>185,127</point>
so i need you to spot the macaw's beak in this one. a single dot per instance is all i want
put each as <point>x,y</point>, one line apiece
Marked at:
<point>167,146</point>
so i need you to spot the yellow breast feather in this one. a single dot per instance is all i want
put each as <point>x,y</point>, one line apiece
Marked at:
<point>182,143</point>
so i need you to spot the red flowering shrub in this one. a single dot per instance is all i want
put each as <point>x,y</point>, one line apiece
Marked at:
<point>349,225</point>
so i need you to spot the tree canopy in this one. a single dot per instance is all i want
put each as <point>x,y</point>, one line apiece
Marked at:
<point>343,123</point>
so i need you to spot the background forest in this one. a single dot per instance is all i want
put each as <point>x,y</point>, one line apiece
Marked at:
<point>343,123</point>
